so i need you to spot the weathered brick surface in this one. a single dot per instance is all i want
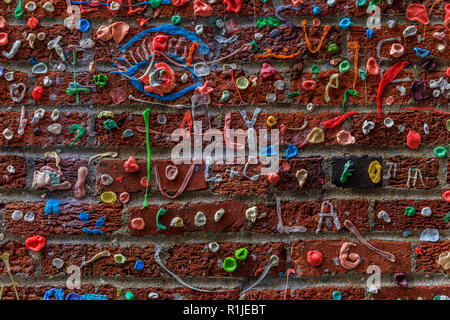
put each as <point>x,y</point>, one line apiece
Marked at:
<point>232,220</point>
<point>306,214</point>
<point>399,221</point>
<point>15,179</point>
<point>330,249</point>
<point>20,260</point>
<point>66,222</point>
<point>38,292</point>
<point>428,261</point>
<point>69,167</point>
<point>411,121</point>
<point>429,168</point>
<point>198,260</point>
<point>113,293</point>
<point>211,88</point>
<point>37,134</point>
<point>319,293</point>
<point>161,132</point>
<point>76,254</point>
<point>411,293</point>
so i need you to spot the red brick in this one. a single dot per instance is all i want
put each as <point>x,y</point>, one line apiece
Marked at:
<point>240,185</point>
<point>428,261</point>
<point>290,120</point>
<point>367,90</point>
<point>254,94</point>
<point>448,172</point>
<point>412,121</point>
<point>440,101</point>
<point>74,255</point>
<point>136,123</point>
<point>56,94</point>
<point>330,249</point>
<point>350,9</point>
<point>37,292</point>
<point>233,220</point>
<point>289,168</point>
<point>429,167</point>
<point>368,46</point>
<point>182,294</point>
<point>40,51</point>
<point>411,293</point>
<point>11,120</point>
<point>399,221</point>
<point>187,10</point>
<point>69,167</point>
<point>20,260</point>
<point>318,293</point>
<point>296,45</point>
<point>130,182</point>
<point>14,180</point>
<point>66,222</point>
<point>197,260</point>
<point>113,293</point>
<point>5,94</point>
<point>299,213</point>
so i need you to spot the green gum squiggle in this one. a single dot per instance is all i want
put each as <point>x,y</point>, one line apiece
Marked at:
<point>146,116</point>
<point>160,213</point>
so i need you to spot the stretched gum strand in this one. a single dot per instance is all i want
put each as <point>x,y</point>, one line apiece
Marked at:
<point>245,46</point>
<point>288,272</point>
<point>146,116</point>
<point>305,124</point>
<point>283,229</point>
<point>429,14</point>
<point>355,45</point>
<point>326,29</point>
<point>159,262</point>
<point>95,258</point>
<point>183,184</point>
<point>350,226</point>
<point>14,283</point>
<point>278,56</point>
<point>388,76</point>
<point>429,108</point>
<point>330,124</point>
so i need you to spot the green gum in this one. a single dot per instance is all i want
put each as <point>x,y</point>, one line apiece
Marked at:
<point>146,116</point>
<point>160,213</point>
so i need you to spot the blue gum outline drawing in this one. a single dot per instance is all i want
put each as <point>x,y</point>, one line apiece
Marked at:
<point>170,29</point>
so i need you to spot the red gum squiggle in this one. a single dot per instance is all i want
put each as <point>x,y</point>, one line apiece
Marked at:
<point>330,124</point>
<point>426,109</point>
<point>390,75</point>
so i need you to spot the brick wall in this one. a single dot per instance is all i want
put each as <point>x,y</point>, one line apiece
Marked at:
<point>134,232</point>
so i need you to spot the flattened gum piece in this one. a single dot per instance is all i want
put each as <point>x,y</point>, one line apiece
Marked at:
<point>79,185</point>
